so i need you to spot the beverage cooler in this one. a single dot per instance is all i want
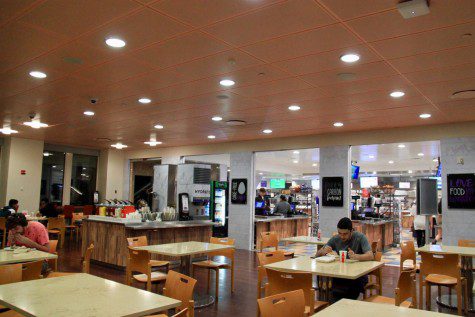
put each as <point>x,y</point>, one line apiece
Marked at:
<point>219,208</point>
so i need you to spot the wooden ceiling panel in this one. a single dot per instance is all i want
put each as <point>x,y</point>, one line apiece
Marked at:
<point>270,88</point>
<point>349,9</point>
<point>205,12</point>
<point>292,97</point>
<point>270,22</point>
<point>442,91</point>
<point>12,8</point>
<point>309,42</point>
<point>442,74</point>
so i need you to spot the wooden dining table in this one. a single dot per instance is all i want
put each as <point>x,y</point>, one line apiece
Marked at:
<point>306,240</point>
<point>466,254</point>
<point>10,257</point>
<point>81,295</point>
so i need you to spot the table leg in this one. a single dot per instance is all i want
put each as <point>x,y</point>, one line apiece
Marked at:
<point>185,265</point>
<point>201,300</point>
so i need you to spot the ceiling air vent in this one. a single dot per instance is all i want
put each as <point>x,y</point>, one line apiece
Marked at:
<point>235,122</point>
<point>463,94</point>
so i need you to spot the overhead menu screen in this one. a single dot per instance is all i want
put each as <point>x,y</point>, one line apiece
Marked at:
<point>277,183</point>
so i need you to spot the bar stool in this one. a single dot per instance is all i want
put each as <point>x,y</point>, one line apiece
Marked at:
<point>216,266</point>
<point>265,258</point>
<point>142,241</point>
<point>442,270</point>
<point>283,305</point>
<point>281,282</point>
<point>139,261</point>
<point>270,240</point>
<point>406,288</point>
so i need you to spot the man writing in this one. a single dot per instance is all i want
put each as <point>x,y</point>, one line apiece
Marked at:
<point>29,234</point>
<point>358,249</point>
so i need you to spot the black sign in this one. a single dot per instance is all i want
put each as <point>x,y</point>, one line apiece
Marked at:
<point>461,191</point>
<point>239,191</point>
<point>332,191</point>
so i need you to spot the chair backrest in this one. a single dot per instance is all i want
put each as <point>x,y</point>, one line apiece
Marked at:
<point>31,270</point>
<point>438,263</point>
<point>374,246</point>
<point>378,256</point>
<point>86,262</point>
<point>269,240</point>
<point>408,252</point>
<point>3,222</point>
<point>265,258</point>
<point>68,211</point>
<point>53,245</point>
<point>180,287</point>
<point>88,210</point>
<point>281,282</point>
<point>137,241</point>
<point>56,223</point>
<point>10,273</point>
<point>77,216</point>
<point>463,243</point>
<point>283,305</point>
<point>228,253</point>
<point>138,261</point>
<point>406,288</point>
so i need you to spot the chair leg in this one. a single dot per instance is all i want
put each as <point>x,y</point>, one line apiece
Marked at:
<point>428,297</point>
<point>217,285</point>
<point>209,280</point>
<point>232,278</point>
<point>421,286</point>
<point>459,298</point>
<point>439,290</point>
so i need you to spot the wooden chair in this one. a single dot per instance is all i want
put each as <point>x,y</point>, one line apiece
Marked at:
<point>442,270</point>
<point>85,264</point>
<point>283,305</point>
<point>270,240</point>
<point>53,263</point>
<point>468,262</point>
<point>406,288</point>
<point>408,252</point>
<point>57,226</point>
<point>180,287</point>
<point>139,261</point>
<point>3,228</point>
<point>375,280</point>
<point>9,273</point>
<point>74,226</point>
<point>68,211</point>
<point>265,258</point>
<point>466,243</point>
<point>374,246</point>
<point>281,282</point>
<point>181,313</point>
<point>142,242</point>
<point>88,210</point>
<point>31,271</point>
<point>216,266</point>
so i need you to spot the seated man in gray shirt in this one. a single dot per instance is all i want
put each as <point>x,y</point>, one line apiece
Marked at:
<point>358,249</point>
<point>283,207</point>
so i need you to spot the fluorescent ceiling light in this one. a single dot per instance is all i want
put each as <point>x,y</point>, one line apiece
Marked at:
<point>314,164</point>
<point>391,162</point>
<point>7,130</point>
<point>267,131</point>
<point>153,143</point>
<point>350,58</point>
<point>425,115</point>
<point>294,108</point>
<point>227,82</point>
<point>37,74</point>
<point>115,42</point>
<point>89,113</point>
<point>158,126</point>
<point>397,94</point>
<point>338,124</point>
<point>296,152</point>
<point>216,118</point>
<point>420,154</point>
<point>401,146</point>
<point>119,146</point>
<point>211,137</point>
<point>145,100</point>
<point>36,124</point>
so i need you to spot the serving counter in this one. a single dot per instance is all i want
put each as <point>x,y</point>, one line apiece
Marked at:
<point>378,230</point>
<point>284,227</point>
<point>110,237</point>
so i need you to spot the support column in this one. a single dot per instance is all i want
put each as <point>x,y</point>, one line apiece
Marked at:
<point>21,167</point>
<point>334,162</point>
<point>68,167</point>
<point>241,217</point>
<point>456,223</point>
<point>111,175</point>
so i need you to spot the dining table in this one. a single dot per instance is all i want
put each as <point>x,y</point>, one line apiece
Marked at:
<point>11,256</point>
<point>81,295</point>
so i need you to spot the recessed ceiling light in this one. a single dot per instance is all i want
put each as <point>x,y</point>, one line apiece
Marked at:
<point>409,171</point>
<point>267,131</point>
<point>54,166</point>
<point>425,115</point>
<point>115,42</point>
<point>158,126</point>
<point>37,74</point>
<point>145,100</point>
<point>314,164</point>
<point>47,154</point>
<point>216,118</point>
<point>397,94</point>
<point>296,152</point>
<point>119,146</point>
<point>89,113</point>
<point>153,143</point>
<point>338,124</point>
<point>261,173</point>
<point>211,137</point>
<point>295,161</point>
<point>227,82</point>
<point>374,173</point>
<point>401,146</point>
<point>7,130</point>
<point>391,162</point>
<point>36,124</point>
<point>350,58</point>
<point>371,156</point>
<point>420,154</point>
<point>294,108</point>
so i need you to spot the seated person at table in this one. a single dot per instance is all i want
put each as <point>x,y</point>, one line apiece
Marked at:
<point>29,234</point>
<point>47,209</point>
<point>10,209</point>
<point>358,249</point>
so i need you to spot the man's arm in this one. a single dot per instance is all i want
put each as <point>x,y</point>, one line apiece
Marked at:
<point>367,256</point>
<point>31,244</point>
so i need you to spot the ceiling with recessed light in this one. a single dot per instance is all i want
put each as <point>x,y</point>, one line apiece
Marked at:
<point>277,53</point>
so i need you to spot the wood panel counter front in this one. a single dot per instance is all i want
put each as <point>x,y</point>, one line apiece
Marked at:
<point>110,238</point>
<point>284,227</point>
<point>379,230</point>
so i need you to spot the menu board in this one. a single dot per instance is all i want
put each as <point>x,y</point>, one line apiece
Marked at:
<point>332,191</point>
<point>461,191</point>
<point>239,191</point>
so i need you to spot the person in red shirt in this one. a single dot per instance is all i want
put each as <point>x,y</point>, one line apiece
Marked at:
<point>29,234</point>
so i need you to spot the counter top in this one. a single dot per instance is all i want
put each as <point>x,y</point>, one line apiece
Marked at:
<point>160,224</point>
<point>375,223</point>
<point>276,218</point>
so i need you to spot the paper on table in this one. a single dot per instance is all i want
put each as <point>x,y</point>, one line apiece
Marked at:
<point>326,259</point>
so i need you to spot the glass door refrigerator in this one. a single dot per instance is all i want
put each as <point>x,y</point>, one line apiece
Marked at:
<point>219,208</point>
